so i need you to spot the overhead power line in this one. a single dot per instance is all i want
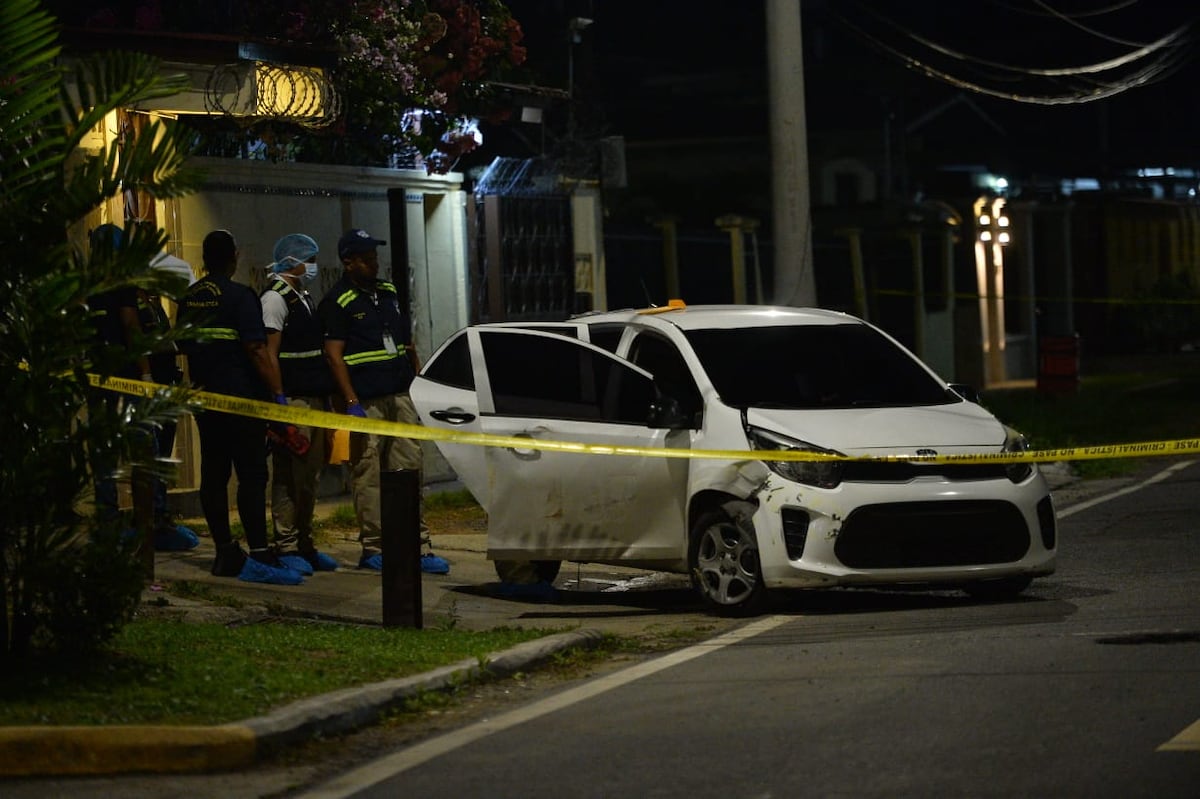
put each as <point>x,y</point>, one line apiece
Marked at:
<point>1082,83</point>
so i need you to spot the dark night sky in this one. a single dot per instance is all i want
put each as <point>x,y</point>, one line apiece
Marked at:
<point>678,69</point>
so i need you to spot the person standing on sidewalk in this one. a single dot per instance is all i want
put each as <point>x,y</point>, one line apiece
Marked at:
<point>161,367</point>
<point>368,345</point>
<point>124,314</point>
<point>232,359</point>
<point>295,342</point>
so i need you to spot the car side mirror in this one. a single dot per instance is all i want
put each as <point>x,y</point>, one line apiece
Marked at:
<point>666,413</point>
<point>965,391</point>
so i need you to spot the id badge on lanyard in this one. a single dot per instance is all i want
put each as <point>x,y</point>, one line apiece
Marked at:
<point>389,344</point>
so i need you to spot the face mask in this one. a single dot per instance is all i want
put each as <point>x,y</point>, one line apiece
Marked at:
<point>310,274</point>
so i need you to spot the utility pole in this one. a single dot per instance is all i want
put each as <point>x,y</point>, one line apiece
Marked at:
<point>792,217</point>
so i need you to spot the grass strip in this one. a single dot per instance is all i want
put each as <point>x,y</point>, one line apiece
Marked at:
<point>167,671</point>
<point>1115,408</point>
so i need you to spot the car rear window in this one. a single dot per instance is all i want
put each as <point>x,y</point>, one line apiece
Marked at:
<point>813,366</point>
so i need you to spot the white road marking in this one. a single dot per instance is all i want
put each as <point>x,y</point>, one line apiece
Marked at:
<point>373,773</point>
<point>351,782</point>
<point>1186,741</point>
<point>1091,503</point>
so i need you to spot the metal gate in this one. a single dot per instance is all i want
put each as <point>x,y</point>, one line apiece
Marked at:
<point>522,247</point>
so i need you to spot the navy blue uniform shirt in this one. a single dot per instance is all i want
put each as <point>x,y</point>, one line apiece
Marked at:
<point>229,314</point>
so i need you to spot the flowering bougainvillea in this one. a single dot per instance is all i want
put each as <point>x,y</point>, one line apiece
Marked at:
<point>430,55</point>
<point>394,57</point>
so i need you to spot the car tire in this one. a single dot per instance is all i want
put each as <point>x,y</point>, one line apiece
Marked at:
<point>724,564</point>
<point>527,572</point>
<point>995,590</point>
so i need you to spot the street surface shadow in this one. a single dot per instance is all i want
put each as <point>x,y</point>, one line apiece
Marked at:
<point>592,604</point>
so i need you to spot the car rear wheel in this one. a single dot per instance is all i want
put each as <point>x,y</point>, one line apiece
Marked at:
<point>527,572</point>
<point>724,564</point>
<point>1003,588</point>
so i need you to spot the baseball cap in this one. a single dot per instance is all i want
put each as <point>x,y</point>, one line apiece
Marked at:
<point>107,235</point>
<point>355,241</point>
<point>292,249</point>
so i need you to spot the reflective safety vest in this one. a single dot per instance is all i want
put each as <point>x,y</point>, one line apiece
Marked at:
<point>376,334</point>
<point>302,348</point>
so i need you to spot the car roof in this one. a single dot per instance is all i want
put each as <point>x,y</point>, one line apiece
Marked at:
<point>697,317</point>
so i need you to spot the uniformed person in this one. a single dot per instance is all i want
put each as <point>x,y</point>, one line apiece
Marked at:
<point>232,359</point>
<point>295,341</point>
<point>368,345</point>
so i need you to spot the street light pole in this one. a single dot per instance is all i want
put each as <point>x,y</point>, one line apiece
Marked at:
<point>575,28</point>
<point>792,218</point>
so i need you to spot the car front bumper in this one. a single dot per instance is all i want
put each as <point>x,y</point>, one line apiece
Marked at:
<point>927,530</point>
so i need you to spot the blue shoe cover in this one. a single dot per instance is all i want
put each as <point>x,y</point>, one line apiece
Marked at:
<point>296,563</point>
<point>257,572</point>
<point>176,538</point>
<point>322,562</point>
<point>373,562</point>
<point>432,564</point>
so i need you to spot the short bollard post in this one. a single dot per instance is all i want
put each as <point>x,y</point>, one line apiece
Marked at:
<point>400,520</point>
<point>142,488</point>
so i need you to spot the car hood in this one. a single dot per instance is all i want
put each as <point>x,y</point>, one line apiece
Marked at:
<point>962,427</point>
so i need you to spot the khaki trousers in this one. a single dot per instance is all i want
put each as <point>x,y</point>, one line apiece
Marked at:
<point>371,454</point>
<point>294,482</point>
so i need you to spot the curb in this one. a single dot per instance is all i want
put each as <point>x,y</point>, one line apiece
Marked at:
<point>77,750</point>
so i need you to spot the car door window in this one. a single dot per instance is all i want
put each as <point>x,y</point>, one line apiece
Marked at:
<point>451,365</point>
<point>553,377</point>
<point>662,359</point>
<point>606,335</point>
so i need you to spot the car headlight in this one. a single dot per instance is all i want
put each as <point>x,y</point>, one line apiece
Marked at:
<point>1015,442</point>
<point>822,474</point>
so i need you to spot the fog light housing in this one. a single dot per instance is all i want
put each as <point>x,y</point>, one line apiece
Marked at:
<point>795,532</point>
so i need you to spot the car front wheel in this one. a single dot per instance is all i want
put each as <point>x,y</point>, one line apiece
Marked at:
<point>724,564</point>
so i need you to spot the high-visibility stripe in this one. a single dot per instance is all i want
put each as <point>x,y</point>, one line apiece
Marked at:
<point>222,333</point>
<point>349,295</point>
<point>372,356</point>
<point>306,354</point>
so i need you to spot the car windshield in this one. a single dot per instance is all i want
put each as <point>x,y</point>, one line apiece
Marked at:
<point>813,366</point>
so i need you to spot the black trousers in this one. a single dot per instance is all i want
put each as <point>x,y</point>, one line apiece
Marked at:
<point>228,444</point>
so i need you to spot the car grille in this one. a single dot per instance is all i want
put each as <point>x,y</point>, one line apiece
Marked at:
<point>909,535</point>
<point>903,471</point>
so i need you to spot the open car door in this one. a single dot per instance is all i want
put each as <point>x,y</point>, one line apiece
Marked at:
<point>578,505</point>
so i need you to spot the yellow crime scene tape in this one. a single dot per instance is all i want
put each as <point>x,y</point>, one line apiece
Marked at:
<point>274,412</point>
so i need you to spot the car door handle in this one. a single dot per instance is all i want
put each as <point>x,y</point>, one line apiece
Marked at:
<point>526,454</point>
<point>453,416</point>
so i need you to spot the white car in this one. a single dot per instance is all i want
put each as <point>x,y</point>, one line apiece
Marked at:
<point>736,380</point>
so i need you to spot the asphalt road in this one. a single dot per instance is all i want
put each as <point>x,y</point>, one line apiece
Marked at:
<point>1080,689</point>
<point>1086,687</point>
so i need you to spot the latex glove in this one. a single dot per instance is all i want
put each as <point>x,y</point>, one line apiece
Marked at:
<point>354,409</point>
<point>286,436</point>
<point>281,399</point>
